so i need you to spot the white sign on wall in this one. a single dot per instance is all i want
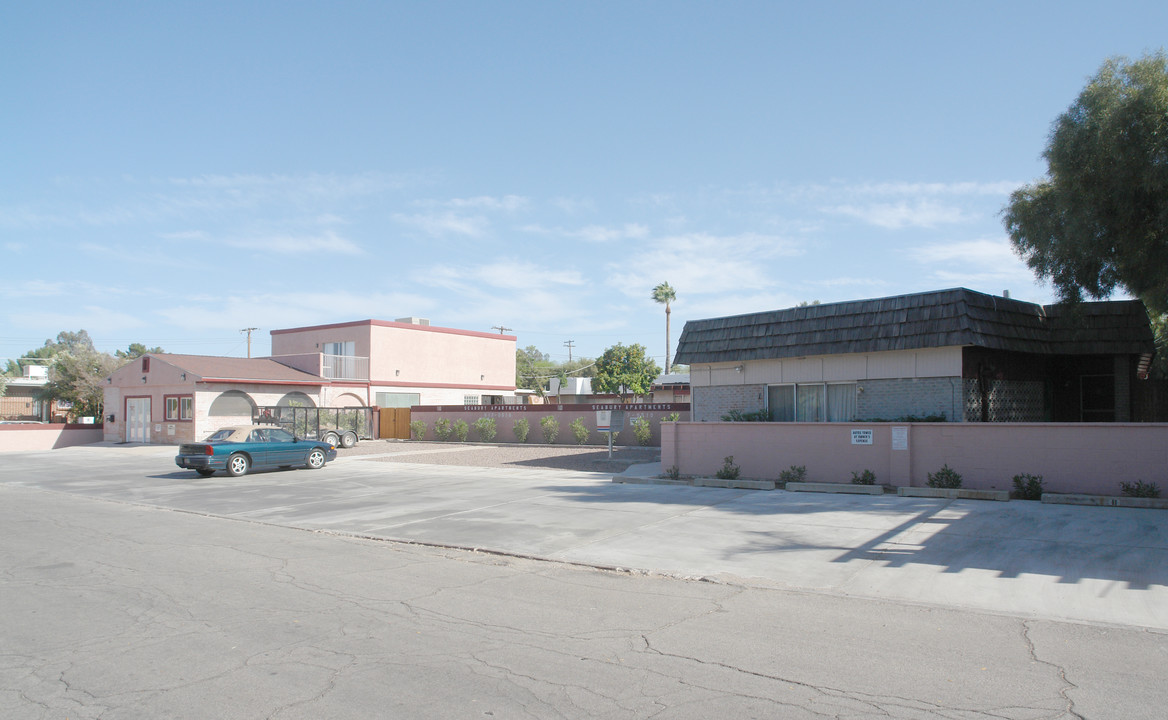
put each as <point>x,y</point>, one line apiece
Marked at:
<point>900,438</point>
<point>862,437</point>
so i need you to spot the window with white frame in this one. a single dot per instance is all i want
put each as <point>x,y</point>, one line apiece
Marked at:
<point>180,407</point>
<point>812,402</point>
<point>470,399</point>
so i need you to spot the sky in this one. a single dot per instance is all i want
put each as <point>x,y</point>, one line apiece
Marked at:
<point>173,173</point>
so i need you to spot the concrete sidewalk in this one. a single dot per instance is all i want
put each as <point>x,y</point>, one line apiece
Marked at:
<point>1027,559</point>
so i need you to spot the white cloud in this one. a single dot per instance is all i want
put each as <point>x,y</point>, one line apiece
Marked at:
<point>984,251</point>
<point>594,233</point>
<point>442,224</point>
<point>285,244</point>
<point>507,203</point>
<point>701,263</point>
<point>504,274</point>
<point>895,216</point>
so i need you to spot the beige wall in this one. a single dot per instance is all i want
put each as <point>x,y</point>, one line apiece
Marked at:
<point>1071,457</point>
<point>933,362</point>
<point>30,438</point>
<point>416,358</point>
<point>437,356</point>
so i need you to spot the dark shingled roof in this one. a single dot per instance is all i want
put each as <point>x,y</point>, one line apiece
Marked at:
<point>944,318</point>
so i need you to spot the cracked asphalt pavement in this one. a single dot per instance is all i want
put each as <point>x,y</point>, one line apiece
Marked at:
<point>130,590</point>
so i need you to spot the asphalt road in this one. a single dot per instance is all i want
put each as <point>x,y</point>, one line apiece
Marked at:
<point>132,590</point>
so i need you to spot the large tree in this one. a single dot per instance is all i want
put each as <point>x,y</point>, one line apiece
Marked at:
<point>1099,220</point>
<point>76,369</point>
<point>625,370</point>
<point>664,294</point>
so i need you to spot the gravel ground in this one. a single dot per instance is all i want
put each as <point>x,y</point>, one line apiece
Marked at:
<point>560,457</point>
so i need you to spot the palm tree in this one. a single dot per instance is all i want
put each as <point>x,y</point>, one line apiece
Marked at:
<point>664,294</point>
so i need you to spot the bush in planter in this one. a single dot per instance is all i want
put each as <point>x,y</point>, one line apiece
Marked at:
<point>671,417</point>
<point>418,429</point>
<point>729,470</point>
<point>580,431</point>
<point>797,473</point>
<point>521,429</point>
<point>1028,487</point>
<point>673,473</point>
<point>442,429</point>
<point>946,477</point>
<point>864,478</point>
<point>486,429</point>
<point>1140,489</point>
<point>550,427</point>
<point>642,429</point>
<point>461,429</point>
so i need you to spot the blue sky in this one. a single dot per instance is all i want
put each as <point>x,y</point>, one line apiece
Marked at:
<point>171,173</point>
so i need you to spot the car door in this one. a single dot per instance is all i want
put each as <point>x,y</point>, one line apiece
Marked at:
<point>283,448</point>
<point>258,445</point>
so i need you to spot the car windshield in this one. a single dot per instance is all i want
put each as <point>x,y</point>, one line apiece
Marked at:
<point>223,434</point>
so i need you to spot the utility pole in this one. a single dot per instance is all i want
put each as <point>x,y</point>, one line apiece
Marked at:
<point>569,345</point>
<point>249,332</point>
<point>501,329</point>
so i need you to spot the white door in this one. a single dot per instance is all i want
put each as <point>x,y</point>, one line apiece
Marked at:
<point>138,420</point>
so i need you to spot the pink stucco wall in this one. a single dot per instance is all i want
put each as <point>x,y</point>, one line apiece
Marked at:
<point>1072,458</point>
<point>27,438</point>
<point>506,415</point>
<point>403,355</point>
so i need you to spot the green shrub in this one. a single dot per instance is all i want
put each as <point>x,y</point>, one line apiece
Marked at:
<point>1140,489</point>
<point>580,431</point>
<point>673,473</point>
<point>729,470</point>
<point>671,417</point>
<point>442,429</point>
<point>642,429</point>
<point>461,429</point>
<point>550,427</point>
<point>418,429</point>
<point>521,429</point>
<point>1028,487</point>
<point>864,478</point>
<point>486,429</point>
<point>756,416</point>
<point>946,477</point>
<point>797,473</point>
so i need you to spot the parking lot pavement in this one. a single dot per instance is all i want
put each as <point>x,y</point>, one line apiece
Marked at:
<point>1021,558</point>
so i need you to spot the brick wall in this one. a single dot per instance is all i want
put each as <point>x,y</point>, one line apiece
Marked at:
<point>889,399</point>
<point>709,404</point>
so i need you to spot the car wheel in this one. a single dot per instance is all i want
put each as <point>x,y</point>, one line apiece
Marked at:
<point>349,439</point>
<point>315,459</point>
<point>205,472</point>
<point>331,438</point>
<point>237,465</point>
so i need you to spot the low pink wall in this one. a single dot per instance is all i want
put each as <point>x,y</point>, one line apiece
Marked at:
<point>26,438</point>
<point>1071,458</point>
<point>506,415</point>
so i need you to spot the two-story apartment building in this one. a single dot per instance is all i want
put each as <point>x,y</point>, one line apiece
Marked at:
<point>170,399</point>
<point>404,362</point>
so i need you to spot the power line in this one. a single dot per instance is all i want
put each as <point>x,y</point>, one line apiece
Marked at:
<point>501,329</point>
<point>569,345</point>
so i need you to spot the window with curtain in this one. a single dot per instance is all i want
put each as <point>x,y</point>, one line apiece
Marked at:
<point>812,402</point>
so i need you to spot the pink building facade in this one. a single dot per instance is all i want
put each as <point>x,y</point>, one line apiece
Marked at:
<point>405,362</point>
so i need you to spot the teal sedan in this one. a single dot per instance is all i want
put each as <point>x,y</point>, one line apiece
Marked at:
<point>239,449</point>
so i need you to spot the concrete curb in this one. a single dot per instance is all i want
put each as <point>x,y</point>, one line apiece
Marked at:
<point>1104,501</point>
<point>842,488</point>
<point>954,493</point>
